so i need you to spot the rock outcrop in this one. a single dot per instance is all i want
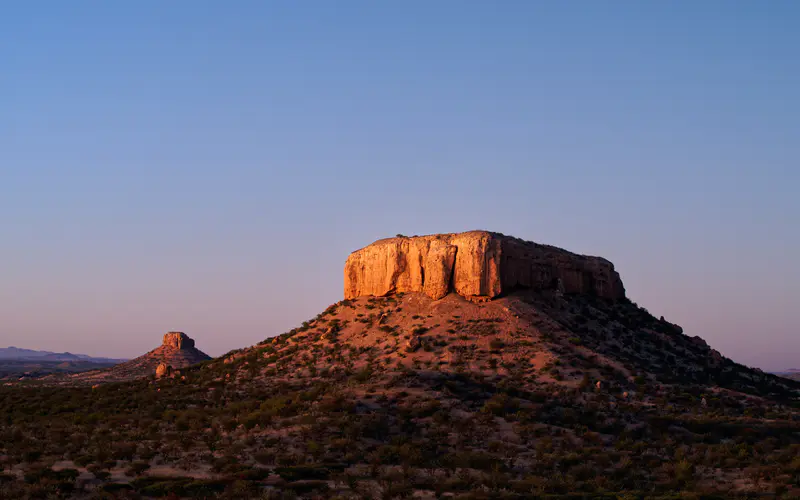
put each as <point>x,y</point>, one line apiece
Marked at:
<point>177,340</point>
<point>176,351</point>
<point>477,265</point>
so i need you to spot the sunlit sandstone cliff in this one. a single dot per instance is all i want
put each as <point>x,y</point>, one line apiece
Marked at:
<point>476,265</point>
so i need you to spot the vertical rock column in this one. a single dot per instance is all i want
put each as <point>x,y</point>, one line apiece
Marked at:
<point>438,269</point>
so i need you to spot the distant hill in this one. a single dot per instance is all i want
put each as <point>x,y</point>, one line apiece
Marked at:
<point>793,374</point>
<point>17,363</point>
<point>19,354</point>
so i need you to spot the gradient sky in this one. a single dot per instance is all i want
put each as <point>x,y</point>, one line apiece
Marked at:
<point>207,166</point>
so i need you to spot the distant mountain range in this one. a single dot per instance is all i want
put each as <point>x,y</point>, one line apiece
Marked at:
<point>18,354</point>
<point>793,374</point>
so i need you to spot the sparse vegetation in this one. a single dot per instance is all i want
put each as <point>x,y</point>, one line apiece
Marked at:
<point>511,407</point>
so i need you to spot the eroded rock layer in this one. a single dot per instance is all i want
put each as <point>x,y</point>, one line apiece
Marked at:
<point>476,265</point>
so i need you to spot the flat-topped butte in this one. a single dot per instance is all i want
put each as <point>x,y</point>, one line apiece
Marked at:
<point>477,265</point>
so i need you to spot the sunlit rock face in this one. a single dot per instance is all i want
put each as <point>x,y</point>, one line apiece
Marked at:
<point>177,340</point>
<point>478,265</point>
<point>163,370</point>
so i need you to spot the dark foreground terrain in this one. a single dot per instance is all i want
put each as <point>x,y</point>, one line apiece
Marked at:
<point>526,396</point>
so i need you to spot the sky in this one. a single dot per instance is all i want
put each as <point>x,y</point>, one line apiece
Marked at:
<point>207,166</point>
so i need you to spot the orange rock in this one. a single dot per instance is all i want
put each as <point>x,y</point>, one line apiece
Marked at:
<point>163,370</point>
<point>478,265</point>
<point>177,340</point>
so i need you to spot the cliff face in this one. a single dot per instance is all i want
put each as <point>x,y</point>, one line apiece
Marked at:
<point>177,340</point>
<point>476,265</point>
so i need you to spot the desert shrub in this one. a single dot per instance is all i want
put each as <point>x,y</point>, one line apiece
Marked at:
<point>137,468</point>
<point>38,475</point>
<point>116,488</point>
<point>264,457</point>
<point>298,473</point>
<point>155,486</point>
<point>363,375</point>
<point>308,487</point>
<point>251,474</point>
<point>501,405</point>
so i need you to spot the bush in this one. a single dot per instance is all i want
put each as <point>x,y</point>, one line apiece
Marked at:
<point>116,487</point>
<point>298,473</point>
<point>137,468</point>
<point>501,405</point>
<point>306,487</point>
<point>497,344</point>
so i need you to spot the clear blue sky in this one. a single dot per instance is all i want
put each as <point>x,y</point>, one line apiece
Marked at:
<point>207,166</point>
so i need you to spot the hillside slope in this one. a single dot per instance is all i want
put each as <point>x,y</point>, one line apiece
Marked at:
<point>527,395</point>
<point>532,338</point>
<point>532,377</point>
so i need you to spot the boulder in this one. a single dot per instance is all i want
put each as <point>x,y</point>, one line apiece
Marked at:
<point>163,370</point>
<point>413,343</point>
